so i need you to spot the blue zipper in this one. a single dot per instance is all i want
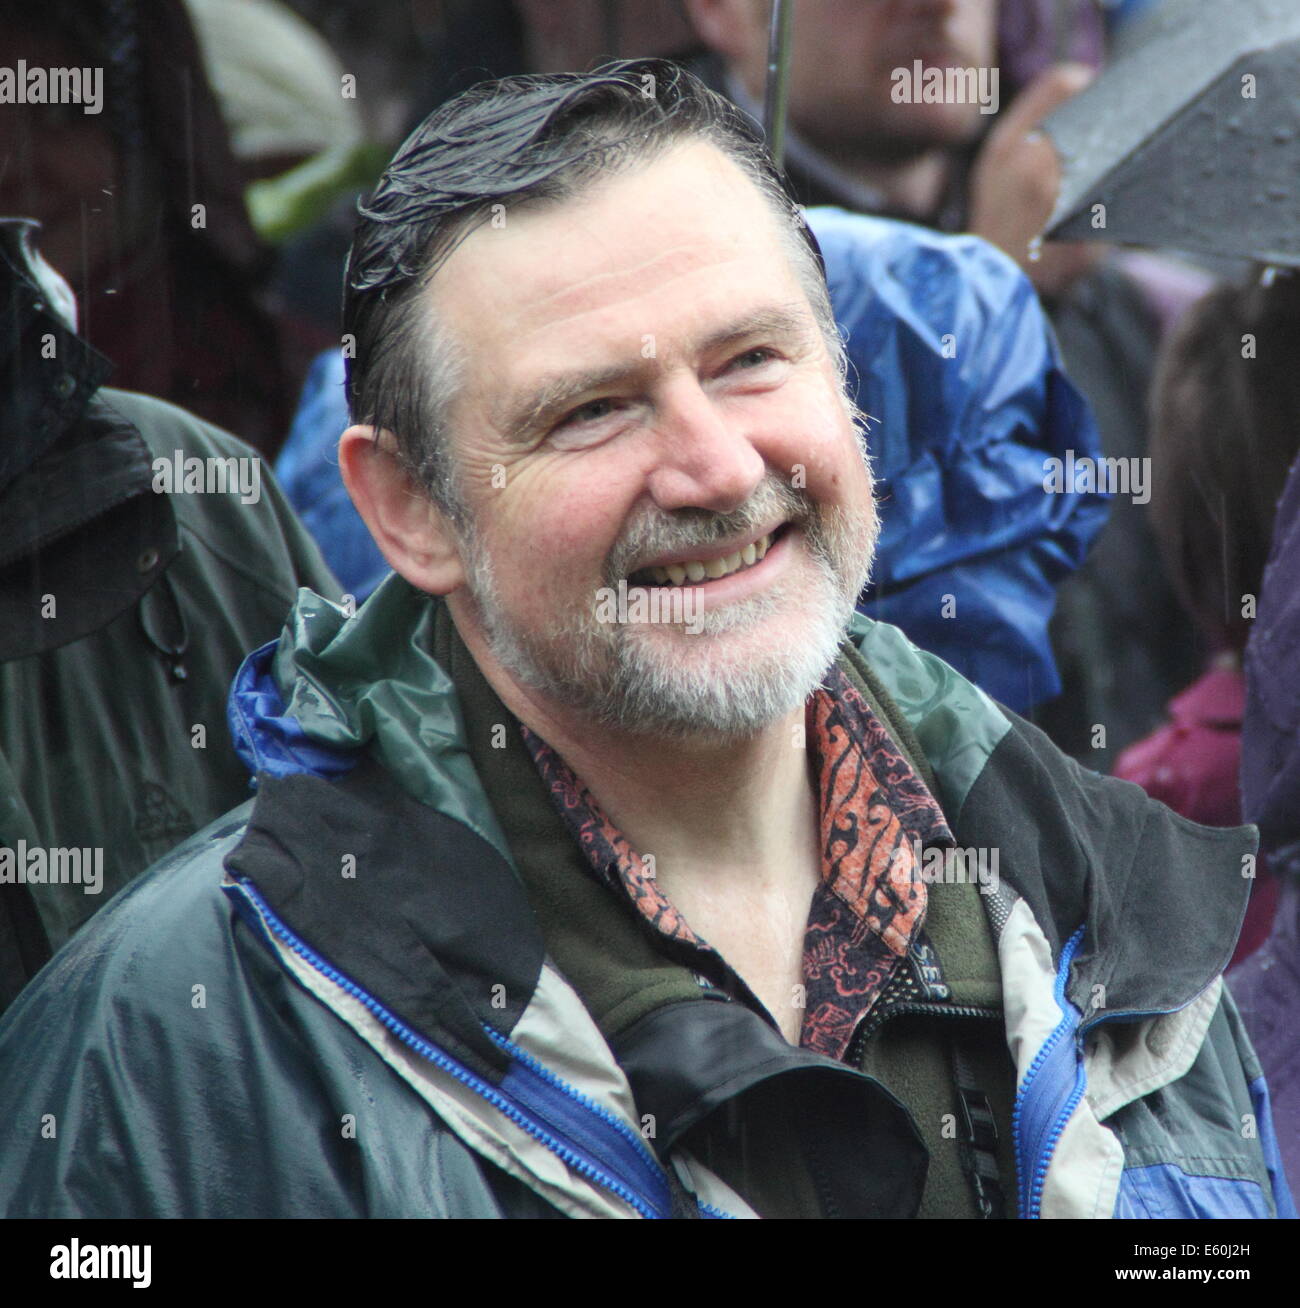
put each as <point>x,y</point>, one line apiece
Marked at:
<point>567,1152</point>
<point>1031,1198</point>
<point>630,1157</point>
<point>1044,1122</point>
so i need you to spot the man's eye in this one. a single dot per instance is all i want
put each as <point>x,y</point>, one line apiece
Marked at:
<point>592,411</point>
<point>755,358</point>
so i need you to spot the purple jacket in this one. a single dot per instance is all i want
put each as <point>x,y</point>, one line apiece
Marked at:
<point>1267,990</point>
<point>1267,985</point>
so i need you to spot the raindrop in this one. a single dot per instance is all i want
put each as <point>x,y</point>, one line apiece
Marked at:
<point>1283,134</point>
<point>1035,249</point>
<point>1268,276</point>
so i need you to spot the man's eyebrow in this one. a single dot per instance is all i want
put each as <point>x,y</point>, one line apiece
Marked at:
<point>547,399</point>
<point>781,322</point>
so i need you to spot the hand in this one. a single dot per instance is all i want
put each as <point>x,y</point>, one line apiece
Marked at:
<point>1017,176</point>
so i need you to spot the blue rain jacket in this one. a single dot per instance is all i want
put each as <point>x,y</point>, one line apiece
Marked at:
<point>958,368</point>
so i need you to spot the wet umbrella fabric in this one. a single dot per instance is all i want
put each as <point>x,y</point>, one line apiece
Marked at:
<point>1191,139</point>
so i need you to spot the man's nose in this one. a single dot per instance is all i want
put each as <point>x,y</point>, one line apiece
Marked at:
<point>706,459</point>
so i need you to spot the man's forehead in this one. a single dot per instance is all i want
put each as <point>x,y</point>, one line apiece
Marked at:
<point>652,231</point>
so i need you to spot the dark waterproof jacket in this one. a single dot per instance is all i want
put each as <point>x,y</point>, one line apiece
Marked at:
<point>124,614</point>
<point>1267,985</point>
<point>389,987</point>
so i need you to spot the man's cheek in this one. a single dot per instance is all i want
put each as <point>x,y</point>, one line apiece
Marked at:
<point>552,587</point>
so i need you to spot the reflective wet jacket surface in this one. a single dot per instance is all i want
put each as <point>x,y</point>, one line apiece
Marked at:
<point>339,999</point>
<point>112,737</point>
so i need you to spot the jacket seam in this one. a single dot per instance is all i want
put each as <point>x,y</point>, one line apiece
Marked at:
<point>1219,1164</point>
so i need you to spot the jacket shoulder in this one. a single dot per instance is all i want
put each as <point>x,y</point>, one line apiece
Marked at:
<point>1162,897</point>
<point>251,531</point>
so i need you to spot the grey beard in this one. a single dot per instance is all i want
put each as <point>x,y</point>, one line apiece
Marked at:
<point>608,673</point>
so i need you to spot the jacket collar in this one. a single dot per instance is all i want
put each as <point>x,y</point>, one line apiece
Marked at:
<point>82,522</point>
<point>1161,899</point>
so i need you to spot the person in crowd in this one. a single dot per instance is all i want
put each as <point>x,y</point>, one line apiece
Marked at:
<point>1224,434</point>
<point>142,206</point>
<point>606,861</point>
<point>861,137</point>
<point>142,554</point>
<point>1267,984</point>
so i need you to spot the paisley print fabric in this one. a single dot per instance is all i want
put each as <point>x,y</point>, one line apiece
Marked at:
<point>869,907</point>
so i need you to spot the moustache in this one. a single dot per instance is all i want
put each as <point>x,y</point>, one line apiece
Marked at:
<point>658,533</point>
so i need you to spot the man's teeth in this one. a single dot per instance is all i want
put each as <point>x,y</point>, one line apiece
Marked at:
<point>678,574</point>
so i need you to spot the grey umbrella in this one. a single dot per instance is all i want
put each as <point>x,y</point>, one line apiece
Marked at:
<point>1191,138</point>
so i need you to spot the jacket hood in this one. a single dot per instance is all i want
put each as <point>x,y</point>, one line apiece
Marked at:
<point>79,518</point>
<point>334,685</point>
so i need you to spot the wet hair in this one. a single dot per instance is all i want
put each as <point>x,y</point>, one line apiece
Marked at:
<point>518,140</point>
<point>1225,430</point>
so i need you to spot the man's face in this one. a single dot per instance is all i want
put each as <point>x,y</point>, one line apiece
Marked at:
<point>843,55</point>
<point>646,387</point>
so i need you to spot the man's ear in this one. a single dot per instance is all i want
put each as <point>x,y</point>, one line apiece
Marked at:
<point>412,533</point>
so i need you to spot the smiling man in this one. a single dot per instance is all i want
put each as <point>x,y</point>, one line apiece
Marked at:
<point>544,907</point>
<point>654,405</point>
